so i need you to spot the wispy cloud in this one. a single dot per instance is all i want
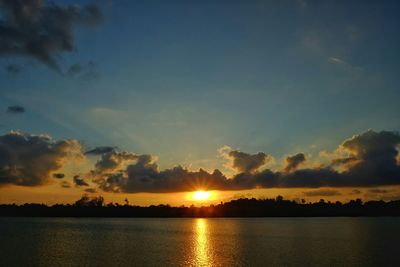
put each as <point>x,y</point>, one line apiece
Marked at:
<point>15,109</point>
<point>336,60</point>
<point>322,193</point>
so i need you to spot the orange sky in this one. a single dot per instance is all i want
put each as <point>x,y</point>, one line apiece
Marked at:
<point>51,194</point>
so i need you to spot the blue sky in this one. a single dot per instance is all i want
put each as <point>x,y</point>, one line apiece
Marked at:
<point>180,79</point>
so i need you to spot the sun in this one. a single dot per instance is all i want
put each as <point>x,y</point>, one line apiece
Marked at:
<point>201,195</point>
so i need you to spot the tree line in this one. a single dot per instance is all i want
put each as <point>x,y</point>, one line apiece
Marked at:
<point>244,207</point>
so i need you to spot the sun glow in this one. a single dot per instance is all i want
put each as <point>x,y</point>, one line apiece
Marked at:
<point>201,195</point>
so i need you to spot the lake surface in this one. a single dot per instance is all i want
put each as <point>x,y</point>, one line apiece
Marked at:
<point>200,242</point>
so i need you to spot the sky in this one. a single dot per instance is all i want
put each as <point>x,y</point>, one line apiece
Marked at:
<point>130,99</point>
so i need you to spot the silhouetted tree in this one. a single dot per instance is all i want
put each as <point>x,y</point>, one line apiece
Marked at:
<point>86,201</point>
<point>94,207</point>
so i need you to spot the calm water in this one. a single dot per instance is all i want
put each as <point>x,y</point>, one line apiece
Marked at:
<point>200,242</point>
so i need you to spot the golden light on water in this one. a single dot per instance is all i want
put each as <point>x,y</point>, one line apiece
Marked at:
<point>202,255</point>
<point>201,195</point>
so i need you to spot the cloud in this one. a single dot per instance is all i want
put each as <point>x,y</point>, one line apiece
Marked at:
<point>100,150</point>
<point>90,190</point>
<point>15,109</point>
<point>346,162</point>
<point>292,162</point>
<point>30,160</point>
<point>58,175</point>
<point>132,173</point>
<point>12,69</point>
<point>384,194</point>
<point>355,192</point>
<point>42,31</point>
<point>374,153</point>
<point>65,184</point>
<point>379,191</point>
<point>244,162</point>
<point>142,177</point>
<point>335,60</point>
<point>374,156</point>
<point>80,181</point>
<point>322,193</point>
<point>83,71</point>
<point>75,70</point>
<point>113,160</point>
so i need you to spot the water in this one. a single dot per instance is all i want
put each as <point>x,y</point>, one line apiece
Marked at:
<point>199,242</point>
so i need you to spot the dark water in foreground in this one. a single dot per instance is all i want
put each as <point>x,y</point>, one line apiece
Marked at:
<point>200,242</point>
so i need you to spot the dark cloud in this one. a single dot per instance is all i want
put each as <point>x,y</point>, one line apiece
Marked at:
<point>83,71</point>
<point>58,175</point>
<point>65,184</point>
<point>355,192</point>
<point>15,109</point>
<point>144,175</point>
<point>100,150</point>
<point>113,160</point>
<point>30,160</point>
<point>145,178</point>
<point>244,162</point>
<point>12,69</point>
<point>80,181</point>
<point>90,190</point>
<point>374,152</point>
<point>374,157</point>
<point>75,70</point>
<point>379,191</point>
<point>322,193</point>
<point>42,31</point>
<point>292,162</point>
<point>344,161</point>
<point>374,163</point>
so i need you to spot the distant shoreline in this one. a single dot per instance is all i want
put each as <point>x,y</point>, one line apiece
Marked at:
<point>240,208</point>
<point>222,217</point>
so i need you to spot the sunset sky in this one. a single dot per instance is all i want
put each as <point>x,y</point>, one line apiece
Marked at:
<point>154,100</point>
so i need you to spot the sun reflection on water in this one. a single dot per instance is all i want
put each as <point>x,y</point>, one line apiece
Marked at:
<point>202,250</point>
